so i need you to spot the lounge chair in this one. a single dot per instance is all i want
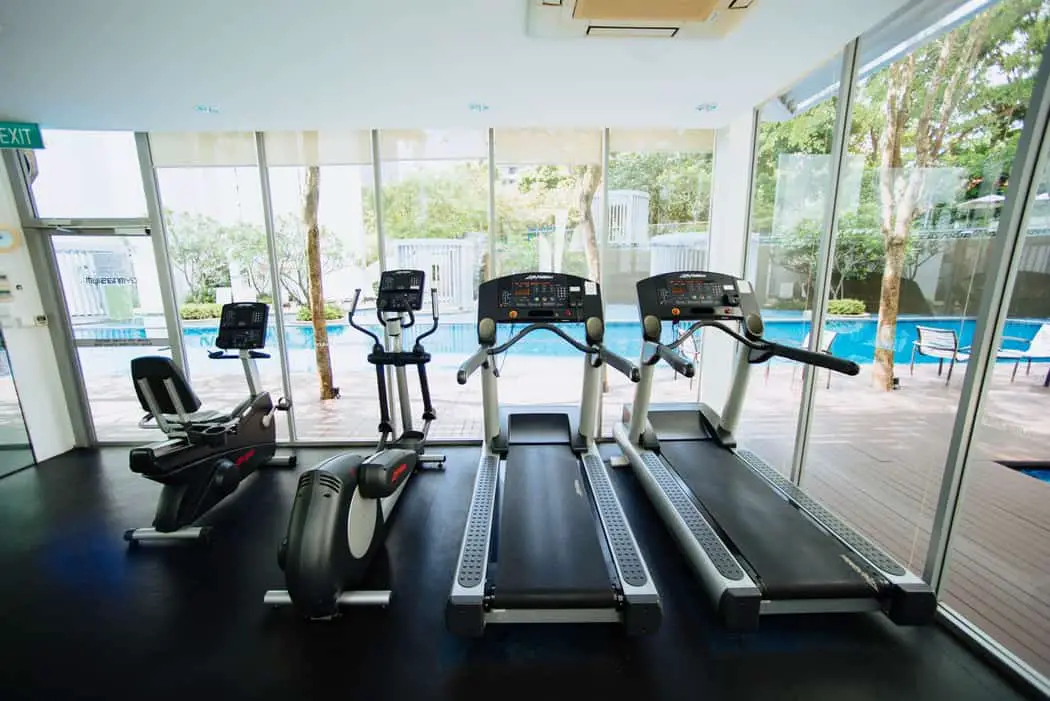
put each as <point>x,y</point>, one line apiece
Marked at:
<point>1038,349</point>
<point>943,344</point>
<point>825,347</point>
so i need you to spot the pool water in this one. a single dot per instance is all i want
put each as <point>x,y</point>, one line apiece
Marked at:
<point>856,339</point>
<point>1041,475</point>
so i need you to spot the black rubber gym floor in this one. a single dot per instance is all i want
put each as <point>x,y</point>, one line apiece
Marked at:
<point>83,617</point>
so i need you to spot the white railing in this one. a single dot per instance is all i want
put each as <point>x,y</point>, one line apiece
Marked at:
<point>455,261</point>
<point>628,217</point>
<point>681,251</point>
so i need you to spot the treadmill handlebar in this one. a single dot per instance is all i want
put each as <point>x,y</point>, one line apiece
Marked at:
<point>824,360</point>
<point>767,349</point>
<point>658,351</point>
<point>471,364</point>
<point>619,363</point>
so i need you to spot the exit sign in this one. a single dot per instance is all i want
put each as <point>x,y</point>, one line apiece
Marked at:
<point>20,135</point>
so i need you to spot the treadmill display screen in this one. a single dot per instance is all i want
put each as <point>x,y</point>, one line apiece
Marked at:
<point>681,291</point>
<point>538,294</point>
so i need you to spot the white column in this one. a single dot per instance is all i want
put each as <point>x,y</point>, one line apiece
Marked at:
<point>29,345</point>
<point>727,244</point>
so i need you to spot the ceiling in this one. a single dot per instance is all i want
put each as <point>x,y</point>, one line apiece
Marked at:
<point>274,64</point>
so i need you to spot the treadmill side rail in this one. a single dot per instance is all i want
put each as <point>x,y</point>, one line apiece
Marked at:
<point>465,611</point>
<point>642,611</point>
<point>911,601</point>
<point>734,594</point>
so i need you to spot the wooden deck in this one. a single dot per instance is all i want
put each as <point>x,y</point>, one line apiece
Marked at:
<point>874,457</point>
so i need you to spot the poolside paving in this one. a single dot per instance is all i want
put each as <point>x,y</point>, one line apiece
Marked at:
<point>874,457</point>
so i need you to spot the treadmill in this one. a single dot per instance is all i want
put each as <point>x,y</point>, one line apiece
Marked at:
<point>756,541</point>
<point>546,540</point>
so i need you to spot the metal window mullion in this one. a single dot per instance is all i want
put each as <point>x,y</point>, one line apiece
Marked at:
<point>275,278</point>
<point>829,234</point>
<point>377,187</point>
<point>603,236</point>
<point>95,226</point>
<point>25,201</point>
<point>1004,262</point>
<point>159,239</point>
<point>491,271</point>
<point>756,119</point>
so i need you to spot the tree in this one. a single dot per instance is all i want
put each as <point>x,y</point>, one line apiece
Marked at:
<point>313,262</point>
<point>197,247</point>
<point>922,93</point>
<point>588,178</point>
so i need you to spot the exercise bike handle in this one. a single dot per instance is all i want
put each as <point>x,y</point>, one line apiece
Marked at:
<point>618,362</point>
<point>350,320</point>
<point>471,364</point>
<point>661,352</point>
<point>434,314</point>
<point>824,360</point>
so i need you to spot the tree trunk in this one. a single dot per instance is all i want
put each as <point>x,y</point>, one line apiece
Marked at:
<point>889,303</point>
<point>589,179</point>
<point>313,263</point>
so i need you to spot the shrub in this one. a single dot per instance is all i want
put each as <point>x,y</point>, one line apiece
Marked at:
<point>791,304</point>
<point>192,311</point>
<point>331,312</point>
<point>265,299</point>
<point>846,307</point>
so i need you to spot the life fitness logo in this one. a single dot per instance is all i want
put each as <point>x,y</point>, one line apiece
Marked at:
<point>687,276</point>
<point>539,277</point>
<point>241,459</point>
<point>398,471</point>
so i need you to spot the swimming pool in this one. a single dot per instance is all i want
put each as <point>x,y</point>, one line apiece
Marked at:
<point>856,339</point>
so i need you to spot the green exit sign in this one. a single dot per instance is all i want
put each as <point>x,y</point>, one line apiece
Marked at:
<point>20,135</point>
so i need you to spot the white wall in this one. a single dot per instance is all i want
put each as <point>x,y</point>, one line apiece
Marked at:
<point>29,346</point>
<point>731,181</point>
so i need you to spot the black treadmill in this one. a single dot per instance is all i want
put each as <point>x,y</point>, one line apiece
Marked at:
<point>758,543</point>
<point>546,540</point>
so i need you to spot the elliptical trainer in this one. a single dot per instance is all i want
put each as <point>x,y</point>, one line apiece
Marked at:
<point>341,510</point>
<point>207,454</point>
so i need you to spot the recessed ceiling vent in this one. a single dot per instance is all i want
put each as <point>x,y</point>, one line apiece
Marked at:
<point>636,19</point>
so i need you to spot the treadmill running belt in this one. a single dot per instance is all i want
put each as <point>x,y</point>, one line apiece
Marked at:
<point>549,554</point>
<point>792,557</point>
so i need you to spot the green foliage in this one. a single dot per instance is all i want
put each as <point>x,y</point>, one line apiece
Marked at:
<point>678,184</point>
<point>846,307</point>
<point>444,202</point>
<point>201,296</point>
<point>331,312</point>
<point>197,248</point>
<point>192,312</point>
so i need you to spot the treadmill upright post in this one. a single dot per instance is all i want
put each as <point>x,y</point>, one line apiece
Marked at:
<point>592,385</point>
<point>642,394</point>
<point>737,391</point>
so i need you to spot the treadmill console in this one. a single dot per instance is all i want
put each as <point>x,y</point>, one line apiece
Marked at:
<point>400,291</point>
<point>242,326</point>
<point>695,295</point>
<point>539,297</point>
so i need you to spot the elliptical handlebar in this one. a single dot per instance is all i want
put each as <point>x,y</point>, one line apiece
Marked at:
<point>434,327</point>
<point>767,349</point>
<point>362,329</point>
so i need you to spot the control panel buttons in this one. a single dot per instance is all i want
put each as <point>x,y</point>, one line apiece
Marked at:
<point>513,314</point>
<point>675,311</point>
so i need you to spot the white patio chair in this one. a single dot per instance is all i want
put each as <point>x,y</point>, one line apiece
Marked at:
<point>1038,349</point>
<point>943,344</point>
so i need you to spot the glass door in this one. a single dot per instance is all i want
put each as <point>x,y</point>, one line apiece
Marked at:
<point>113,296</point>
<point>15,450</point>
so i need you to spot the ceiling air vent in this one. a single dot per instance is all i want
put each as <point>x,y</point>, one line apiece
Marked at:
<point>636,19</point>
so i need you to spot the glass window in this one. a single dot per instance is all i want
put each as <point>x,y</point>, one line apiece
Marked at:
<point>935,135</point>
<point>88,174</point>
<point>792,183</point>
<point>436,218</point>
<point>213,217</point>
<point>999,565</point>
<point>322,188</point>
<point>546,220</point>
<point>658,213</point>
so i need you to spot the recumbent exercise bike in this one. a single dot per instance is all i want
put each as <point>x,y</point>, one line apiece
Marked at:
<point>207,454</point>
